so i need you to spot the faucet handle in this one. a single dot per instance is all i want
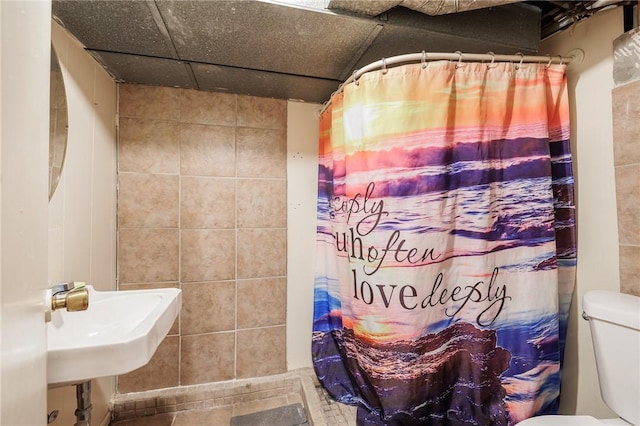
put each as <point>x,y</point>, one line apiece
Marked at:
<point>77,300</point>
<point>74,296</point>
<point>64,286</point>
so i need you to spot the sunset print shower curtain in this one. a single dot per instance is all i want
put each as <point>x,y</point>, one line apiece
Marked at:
<point>445,243</point>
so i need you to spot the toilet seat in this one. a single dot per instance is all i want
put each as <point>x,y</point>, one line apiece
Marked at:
<point>561,421</point>
<point>570,421</point>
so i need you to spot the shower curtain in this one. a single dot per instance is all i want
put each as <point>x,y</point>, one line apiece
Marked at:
<point>445,243</point>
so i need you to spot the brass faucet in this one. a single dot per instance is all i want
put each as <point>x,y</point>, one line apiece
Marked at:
<point>70,295</point>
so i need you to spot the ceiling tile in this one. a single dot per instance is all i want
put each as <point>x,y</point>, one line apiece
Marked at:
<point>273,49</point>
<point>512,26</point>
<point>119,26</point>
<point>145,70</point>
<point>264,84</point>
<point>394,40</point>
<point>365,7</point>
<point>266,36</point>
<point>509,30</point>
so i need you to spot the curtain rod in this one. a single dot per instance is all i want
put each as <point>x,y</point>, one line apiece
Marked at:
<point>575,56</point>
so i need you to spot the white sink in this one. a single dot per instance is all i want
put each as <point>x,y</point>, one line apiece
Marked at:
<point>119,332</point>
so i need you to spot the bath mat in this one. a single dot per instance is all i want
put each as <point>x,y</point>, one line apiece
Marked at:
<point>289,415</point>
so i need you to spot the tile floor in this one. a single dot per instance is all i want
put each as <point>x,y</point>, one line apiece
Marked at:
<point>219,416</point>
<point>335,413</point>
<point>332,413</point>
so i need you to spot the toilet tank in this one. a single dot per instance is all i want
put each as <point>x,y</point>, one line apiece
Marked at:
<point>614,320</point>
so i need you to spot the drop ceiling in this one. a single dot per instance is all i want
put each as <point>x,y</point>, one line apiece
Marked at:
<point>277,49</point>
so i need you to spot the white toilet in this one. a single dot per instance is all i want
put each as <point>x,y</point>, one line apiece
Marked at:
<point>614,321</point>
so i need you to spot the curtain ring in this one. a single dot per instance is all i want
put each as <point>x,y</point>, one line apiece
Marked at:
<point>493,59</point>
<point>424,59</point>
<point>561,59</point>
<point>521,60</point>
<point>459,64</point>
<point>549,63</point>
<point>355,80</point>
<point>384,66</point>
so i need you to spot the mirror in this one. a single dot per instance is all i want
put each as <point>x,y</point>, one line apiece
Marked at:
<point>58,124</point>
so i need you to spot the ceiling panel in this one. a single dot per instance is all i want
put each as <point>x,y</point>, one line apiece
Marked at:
<point>508,27</point>
<point>146,70</point>
<point>120,26</point>
<point>364,7</point>
<point>266,36</point>
<point>274,49</point>
<point>397,40</point>
<point>264,84</point>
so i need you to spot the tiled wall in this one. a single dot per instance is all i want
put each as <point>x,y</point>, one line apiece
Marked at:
<point>626,150</point>
<point>202,206</point>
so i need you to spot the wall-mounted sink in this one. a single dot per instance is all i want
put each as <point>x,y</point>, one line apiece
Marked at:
<point>118,333</point>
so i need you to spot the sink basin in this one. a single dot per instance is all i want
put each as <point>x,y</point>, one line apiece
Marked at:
<point>119,332</point>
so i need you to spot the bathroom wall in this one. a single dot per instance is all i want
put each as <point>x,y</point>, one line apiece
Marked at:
<point>202,205</point>
<point>208,341</point>
<point>82,211</point>
<point>626,156</point>
<point>302,197</point>
<point>590,85</point>
<point>24,116</point>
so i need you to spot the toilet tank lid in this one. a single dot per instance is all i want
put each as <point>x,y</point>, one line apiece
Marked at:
<point>611,306</point>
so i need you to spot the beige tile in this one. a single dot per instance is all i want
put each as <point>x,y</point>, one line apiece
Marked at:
<point>626,126</point>
<point>208,307</point>
<point>261,352</point>
<point>262,302</point>
<point>208,255</point>
<point>262,253</point>
<point>628,197</point>
<point>148,200</point>
<point>148,102</point>
<point>148,146</point>
<point>207,202</point>
<point>201,107</point>
<point>207,358</point>
<point>295,398</point>
<point>262,203</point>
<point>630,270</point>
<point>160,372</point>
<point>148,255</point>
<point>207,150</point>
<point>211,417</point>
<point>261,153</point>
<point>175,328</point>
<point>262,113</point>
<point>147,286</point>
